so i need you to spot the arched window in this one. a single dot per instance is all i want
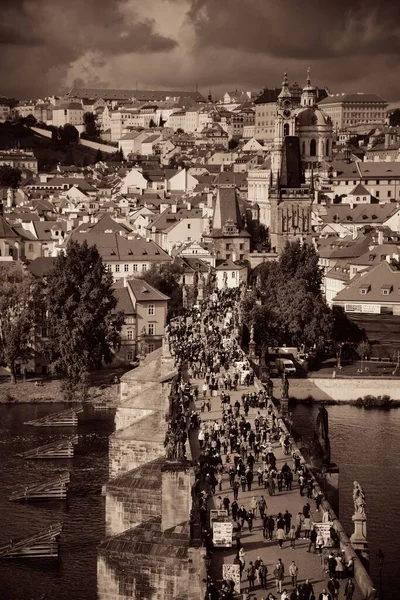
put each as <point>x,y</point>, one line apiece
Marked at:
<point>286,129</point>
<point>313,148</point>
<point>358,199</point>
<point>327,148</point>
<point>303,148</point>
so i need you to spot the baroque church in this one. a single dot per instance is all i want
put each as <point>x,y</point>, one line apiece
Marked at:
<point>302,148</point>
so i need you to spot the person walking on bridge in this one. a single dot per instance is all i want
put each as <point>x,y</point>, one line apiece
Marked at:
<point>349,590</point>
<point>279,574</point>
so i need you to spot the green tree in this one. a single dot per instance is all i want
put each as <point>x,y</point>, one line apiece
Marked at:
<point>30,121</point>
<point>293,310</point>
<point>81,316</point>
<point>166,278</point>
<point>92,129</point>
<point>68,134</point>
<point>18,297</point>
<point>10,176</point>
<point>300,261</point>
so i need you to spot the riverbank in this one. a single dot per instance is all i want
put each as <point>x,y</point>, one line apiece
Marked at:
<point>26,392</point>
<point>344,389</point>
<point>368,402</point>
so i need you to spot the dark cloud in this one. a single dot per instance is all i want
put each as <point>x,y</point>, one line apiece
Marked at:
<point>351,45</point>
<point>304,29</point>
<point>58,32</point>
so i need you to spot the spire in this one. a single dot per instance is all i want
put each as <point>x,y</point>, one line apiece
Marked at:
<point>308,96</point>
<point>285,92</point>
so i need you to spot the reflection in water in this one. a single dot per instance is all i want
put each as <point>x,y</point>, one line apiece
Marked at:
<point>365,445</point>
<point>73,575</point>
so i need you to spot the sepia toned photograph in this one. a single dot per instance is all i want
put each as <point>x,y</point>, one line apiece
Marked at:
<point>199,300</point>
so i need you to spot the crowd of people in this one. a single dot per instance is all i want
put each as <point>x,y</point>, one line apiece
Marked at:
<point>241,450</point>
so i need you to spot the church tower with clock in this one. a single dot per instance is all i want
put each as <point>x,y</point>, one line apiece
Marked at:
<point>285,125</point>
<point>290,199</point>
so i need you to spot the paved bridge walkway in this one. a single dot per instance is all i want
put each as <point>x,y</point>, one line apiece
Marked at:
<point>310,564</point>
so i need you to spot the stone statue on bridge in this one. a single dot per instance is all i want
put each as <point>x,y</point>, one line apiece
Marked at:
<point>359,499</point>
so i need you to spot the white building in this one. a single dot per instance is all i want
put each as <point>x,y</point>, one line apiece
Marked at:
<point>70,113</point>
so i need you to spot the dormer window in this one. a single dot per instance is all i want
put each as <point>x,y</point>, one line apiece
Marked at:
<point>386,289</point>
<point>365,289</point>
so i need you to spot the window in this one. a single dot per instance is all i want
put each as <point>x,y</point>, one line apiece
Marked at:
<point>188,225</point>
<point>227,246</point>
<point>108,268</point>
<point>377,193</point>
<point>151,328</point>
<point>130,334</point>
<point>358,199</point>
<point>30,247</point>
<point>144,267</point>
<point>129,320</point>
<point>389,194</point>
<point>233,274</point>
<point>313,148</point>
<point>135,267</point>
<point>151,348</point>
<point>286,129</point>
<point>44,332</point>
<point>385,291</point>
<point>129,355</point>
<point>151,309</point>
<point>126,268</point>
<point>117,268</point>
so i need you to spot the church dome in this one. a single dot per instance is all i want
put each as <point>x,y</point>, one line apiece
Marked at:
<point>310,117</point>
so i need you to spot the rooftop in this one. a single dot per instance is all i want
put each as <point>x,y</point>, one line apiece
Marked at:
<point>359,97</point>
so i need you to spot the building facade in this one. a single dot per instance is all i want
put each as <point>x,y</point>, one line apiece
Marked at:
<point>354,109</point>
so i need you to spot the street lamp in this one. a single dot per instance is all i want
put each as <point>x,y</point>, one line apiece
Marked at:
<point>381,557</point>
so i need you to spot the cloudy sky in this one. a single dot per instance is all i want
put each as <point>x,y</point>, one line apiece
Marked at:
<point>350,45</point>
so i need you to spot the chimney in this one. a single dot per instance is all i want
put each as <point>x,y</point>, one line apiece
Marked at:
<point>209,200</point>
<point>173,209</point>
<point>380,237</point>
<point>188,206</point>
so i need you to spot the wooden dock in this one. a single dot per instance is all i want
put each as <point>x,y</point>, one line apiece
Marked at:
<point>55,488</point>
<point>40,545</point>
<point>65,418</point>
<point>60,449</point>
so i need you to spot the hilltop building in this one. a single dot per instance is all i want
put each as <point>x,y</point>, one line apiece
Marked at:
<point>353,109</point>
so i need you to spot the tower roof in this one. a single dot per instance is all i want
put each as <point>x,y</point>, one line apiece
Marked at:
<point>6,231</point>
<point>308,87</point>
<point>285,92</point>
<point>226,208</point>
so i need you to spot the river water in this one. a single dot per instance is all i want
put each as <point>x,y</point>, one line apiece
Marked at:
<point>366,446</point>
<point>73,575</point>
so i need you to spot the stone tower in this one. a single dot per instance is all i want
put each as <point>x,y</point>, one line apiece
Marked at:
<point>290,198</point>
